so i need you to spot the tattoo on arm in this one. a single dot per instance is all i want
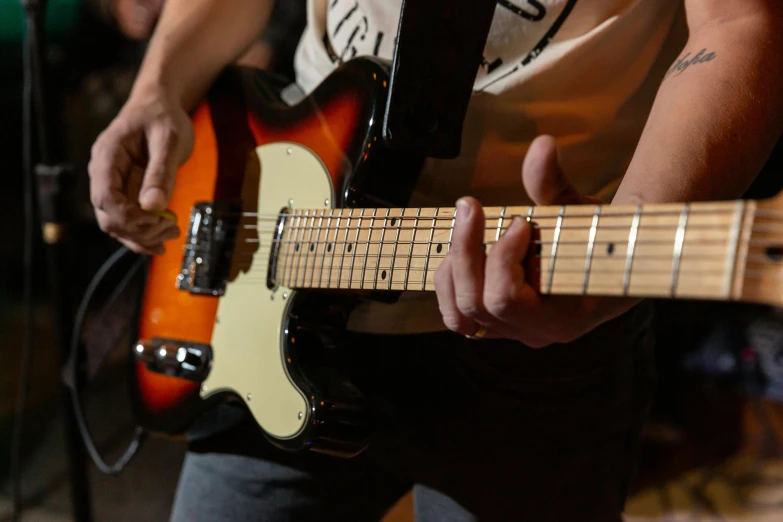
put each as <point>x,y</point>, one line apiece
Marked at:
<point>686,61</point>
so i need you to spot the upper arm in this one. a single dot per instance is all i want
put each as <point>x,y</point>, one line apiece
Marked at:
<point>703,14</point>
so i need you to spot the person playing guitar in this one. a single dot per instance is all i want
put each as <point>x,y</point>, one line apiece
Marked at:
<point>492,402</point>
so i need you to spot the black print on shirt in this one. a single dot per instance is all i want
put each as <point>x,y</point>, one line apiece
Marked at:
<point>537,49</point>
<point>536,16</point>
<point>351,34</point>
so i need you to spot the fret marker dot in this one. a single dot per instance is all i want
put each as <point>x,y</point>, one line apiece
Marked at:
<point>312,247</point>
<point>297,247</point>
<point>383,274</point>
<point>775,253</point>
<point>350,247</point>
<point>329,247</point>
<point>610,248</point>
<point>394,221</point>
<point>440,248</point>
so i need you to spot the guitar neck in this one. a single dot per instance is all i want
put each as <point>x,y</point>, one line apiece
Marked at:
<point>720,251</point>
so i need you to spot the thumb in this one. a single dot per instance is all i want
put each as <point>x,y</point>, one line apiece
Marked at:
<point>544,180</point>
<point>159,176</point>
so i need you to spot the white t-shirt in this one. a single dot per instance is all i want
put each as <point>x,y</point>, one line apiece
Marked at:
<point>583,71</point>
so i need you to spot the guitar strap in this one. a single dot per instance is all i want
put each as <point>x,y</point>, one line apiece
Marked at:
<point>440,44</point>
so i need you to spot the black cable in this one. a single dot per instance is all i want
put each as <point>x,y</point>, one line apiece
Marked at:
<point>29,227</point>
<point>81,314</point>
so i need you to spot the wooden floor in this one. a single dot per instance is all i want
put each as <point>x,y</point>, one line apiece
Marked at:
<point>744,487</point>
<point>742,491</point>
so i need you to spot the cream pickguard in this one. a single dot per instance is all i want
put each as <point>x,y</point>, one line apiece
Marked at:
<point>247,338</point>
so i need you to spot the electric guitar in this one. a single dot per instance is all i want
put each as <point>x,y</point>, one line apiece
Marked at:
<point>292,215</point>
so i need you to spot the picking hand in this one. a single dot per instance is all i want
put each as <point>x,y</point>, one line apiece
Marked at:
<point>133,165</point>
<point>478,290</point>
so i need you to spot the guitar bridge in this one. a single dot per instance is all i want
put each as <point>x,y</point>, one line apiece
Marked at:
<point>209,245</point>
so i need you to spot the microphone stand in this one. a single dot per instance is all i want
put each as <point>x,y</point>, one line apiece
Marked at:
<point>52,180</point>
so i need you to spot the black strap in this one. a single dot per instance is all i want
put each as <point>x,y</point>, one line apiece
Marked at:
<point>439,48</point>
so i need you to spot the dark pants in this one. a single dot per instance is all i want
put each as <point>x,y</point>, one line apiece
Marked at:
<point>488,431</point>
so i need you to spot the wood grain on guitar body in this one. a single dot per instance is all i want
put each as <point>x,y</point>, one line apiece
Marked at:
<point>294,214</point>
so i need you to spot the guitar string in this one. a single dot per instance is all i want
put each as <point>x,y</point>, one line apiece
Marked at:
<point>360,242</point>
<point>758,260</point>
<point>615,272</point>
<point>337,213</point>
<point>378,284</point>
<point>425,228</point>
<point>765,263</point>
<point>607,211</point>
<point>296,229</point>
<point>620,257</point>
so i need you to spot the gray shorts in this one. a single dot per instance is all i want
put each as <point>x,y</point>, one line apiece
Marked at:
<point>486,431</point>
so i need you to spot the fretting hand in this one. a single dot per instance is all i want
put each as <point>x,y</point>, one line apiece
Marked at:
<point>486,295</point>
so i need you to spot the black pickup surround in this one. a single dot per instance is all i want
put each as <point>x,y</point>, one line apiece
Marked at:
<point>271,274</point>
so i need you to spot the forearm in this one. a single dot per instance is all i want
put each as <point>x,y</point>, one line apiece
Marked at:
<point>715,122</point>
<point>194,40</point>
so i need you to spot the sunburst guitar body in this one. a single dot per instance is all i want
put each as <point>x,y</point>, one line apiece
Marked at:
<point>213,327</point>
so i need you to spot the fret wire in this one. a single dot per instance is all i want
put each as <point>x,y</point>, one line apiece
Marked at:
<point>410,249</point>
<point>732,244</point>
<point>291,252</point>
<point>367,247</point>
<point>394,252</point>
<point>299,230</point>
<point>500,224</point>
<point>631,248</point>
<point>323,251</point>
<point>429,252</point>
<point>294,269</point>
<point>299,252</point>
<point>315,247</point>
<point>380,248</point>
<point>553,254</point>
<point>322,245</point>
<point>356,243</point>
<point>305,230</point>
<point>310,248</point>
<point>334,247</point>
<point>678,244</point>
<point>287,230</point>
<point>590,245</point>
<point>307,246</point>
<point>342,256</point>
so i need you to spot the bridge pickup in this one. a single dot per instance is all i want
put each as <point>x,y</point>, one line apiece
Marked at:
<point>206,261</point>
